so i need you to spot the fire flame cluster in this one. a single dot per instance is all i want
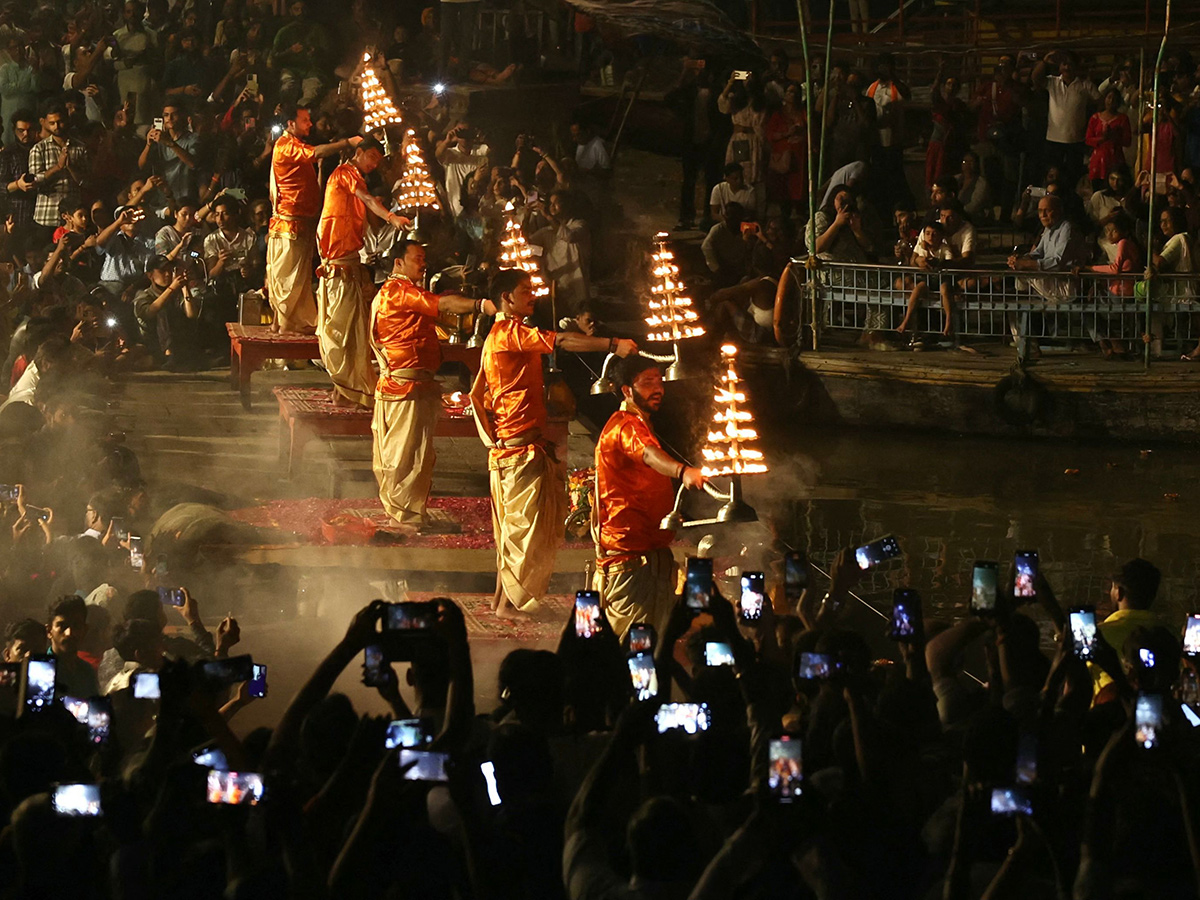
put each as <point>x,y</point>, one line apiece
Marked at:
<point>671,315</point>
<point>515,253</point>
<point>727,452</point>
<point>416,189</point>
<point>378,109</point>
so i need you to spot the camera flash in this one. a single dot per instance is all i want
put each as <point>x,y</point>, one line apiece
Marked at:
<point>111,321</point>
<point>439,88</point>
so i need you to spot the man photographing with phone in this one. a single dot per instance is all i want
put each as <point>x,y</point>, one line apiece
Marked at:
<point>635,571</point>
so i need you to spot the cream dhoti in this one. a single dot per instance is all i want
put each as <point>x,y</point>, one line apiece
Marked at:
<point>403,455</point>
<point>342,329</point>
<point>640,589</point>
<point>529,506</point>
<point>290,273</point>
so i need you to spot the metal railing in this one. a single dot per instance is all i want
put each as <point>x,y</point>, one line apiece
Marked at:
<point>996,302</point>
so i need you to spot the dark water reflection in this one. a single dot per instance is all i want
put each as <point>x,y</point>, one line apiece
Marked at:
<point>953,500</point>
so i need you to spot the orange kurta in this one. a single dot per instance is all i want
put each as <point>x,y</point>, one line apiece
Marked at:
<point>340,231</point>
<point>631,498</point>
<point>296,193</point>
<point>404,332</point>
<point>512,368</point>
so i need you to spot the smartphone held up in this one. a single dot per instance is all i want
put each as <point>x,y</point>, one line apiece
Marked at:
<point>869,555</point>
<point>750,607</point>
<point>588,621</point>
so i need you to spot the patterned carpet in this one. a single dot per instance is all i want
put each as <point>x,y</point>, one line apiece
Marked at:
<point>546,626</point>
<point>472,515</point>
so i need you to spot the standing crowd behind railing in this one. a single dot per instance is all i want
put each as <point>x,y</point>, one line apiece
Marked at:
<point>1035,226</point>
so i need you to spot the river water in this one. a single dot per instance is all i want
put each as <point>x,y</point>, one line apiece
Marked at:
<point>952,500</point>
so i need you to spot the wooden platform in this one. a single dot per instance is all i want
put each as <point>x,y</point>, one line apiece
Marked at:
<point>307,413</point>
<point>250,345</point>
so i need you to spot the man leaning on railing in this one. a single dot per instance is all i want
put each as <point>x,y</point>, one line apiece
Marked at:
<point>1061,248</point>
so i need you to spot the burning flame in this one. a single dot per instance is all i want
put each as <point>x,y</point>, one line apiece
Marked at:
<point>378,109</point>
<point>726,452</point>
<point>416,189</point>
<point>515,253</point>
<point>671,315</point>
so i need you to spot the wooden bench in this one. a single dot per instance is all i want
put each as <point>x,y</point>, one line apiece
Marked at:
<point>250,345</point>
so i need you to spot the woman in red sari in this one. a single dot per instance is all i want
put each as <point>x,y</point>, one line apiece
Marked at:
<point>1108,134</point>
<point>787,138</point>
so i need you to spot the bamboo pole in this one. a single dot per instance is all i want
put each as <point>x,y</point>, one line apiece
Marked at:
<point>811,227</point>
<point>1153,170</point>
<point>824,96</point>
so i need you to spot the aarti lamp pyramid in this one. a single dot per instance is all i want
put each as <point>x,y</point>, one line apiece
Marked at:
<point>731,446</point>
<point>730,450</point>
<point>378,108</point>
<point>515,253</point>
<point>417,190</point>
<point>671,315</point>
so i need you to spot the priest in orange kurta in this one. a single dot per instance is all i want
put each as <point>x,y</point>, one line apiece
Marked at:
<point>635,570</point>
<point>291,235</point>
<point>408,400</point>
<point>526,471</point>
<point>343,294</point>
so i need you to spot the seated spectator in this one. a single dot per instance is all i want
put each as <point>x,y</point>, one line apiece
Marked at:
<point>732,189</point>
<point>123,250</point>
<point>176,237</point>
<point>726,247</point>
<point>930,252</point>
<point>1114,196</point>
<point>1061,248</point>
<point>226,248</point>
<point>974,192</point>
<point>840,235</point>
<point>164,310</point>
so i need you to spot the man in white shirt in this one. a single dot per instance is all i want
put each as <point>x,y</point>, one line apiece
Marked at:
<point>732,190</point>
<point>460,155</point>
<point>566,254</point>
<point>591,154</point>
<point>1067,121</point>
<point>227,248</point>
<point>959,234</point>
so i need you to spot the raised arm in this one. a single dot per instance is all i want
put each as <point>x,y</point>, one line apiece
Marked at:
<point>323,150</point>
<point>284,745</point>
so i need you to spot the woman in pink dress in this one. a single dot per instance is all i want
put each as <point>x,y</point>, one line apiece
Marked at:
<point>1108,134</point>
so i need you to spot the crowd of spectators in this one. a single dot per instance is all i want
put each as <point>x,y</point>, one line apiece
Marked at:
<point>1044,149</point>
<point>136,165</point>
<point>1015,752</point>
<point>128,243</point>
